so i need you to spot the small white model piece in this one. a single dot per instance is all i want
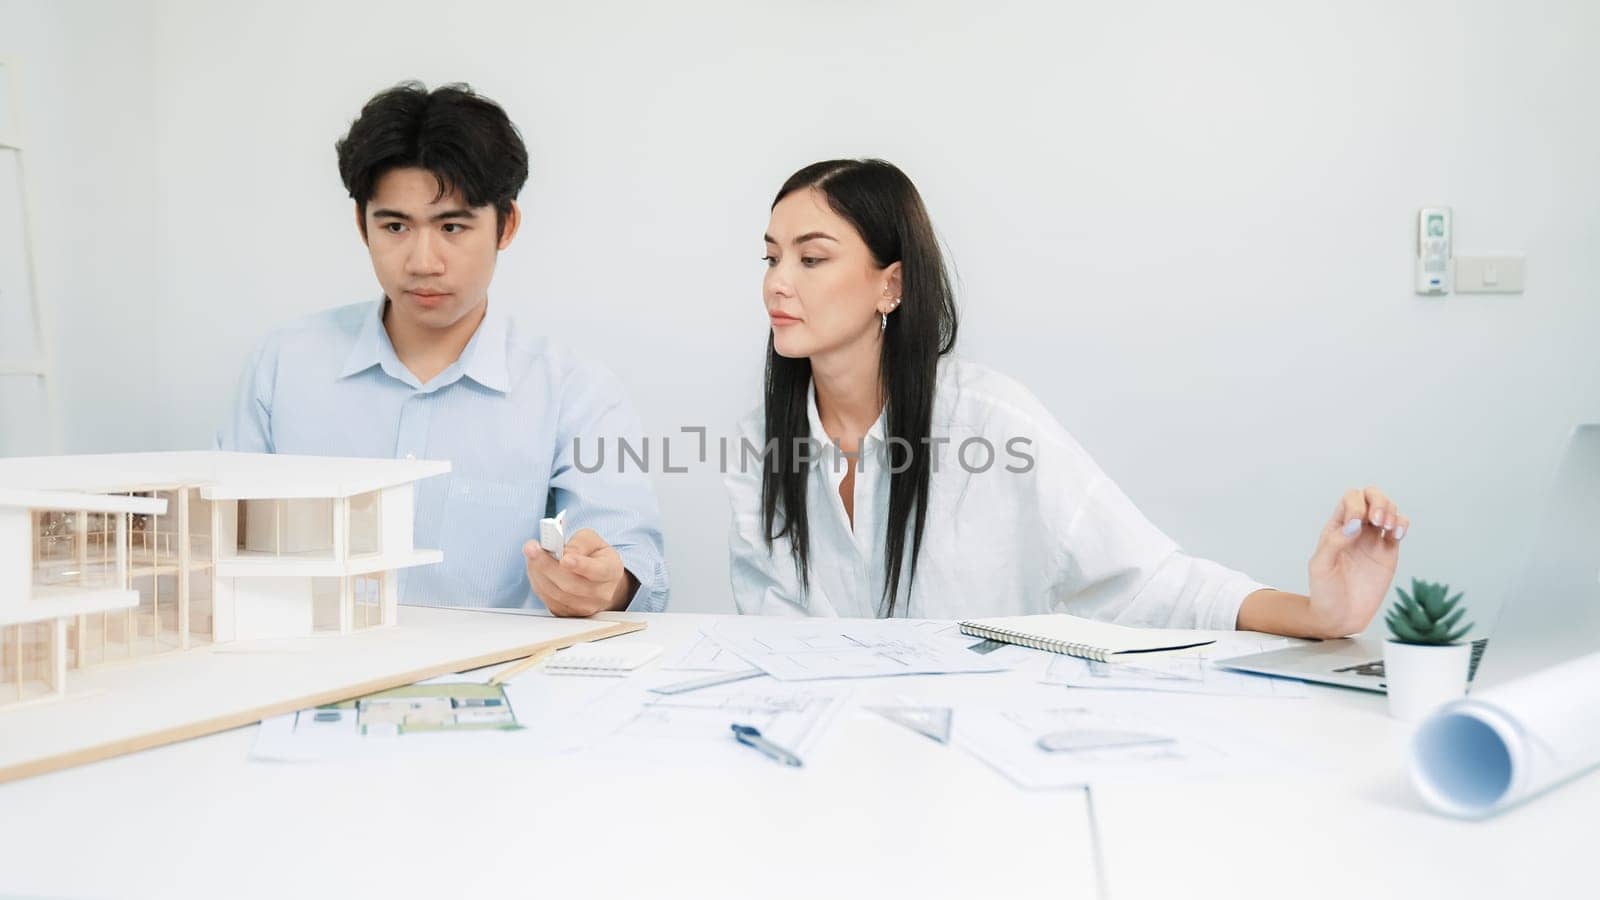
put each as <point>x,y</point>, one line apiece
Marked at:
<point>553,534</point>
<point>108,558</point>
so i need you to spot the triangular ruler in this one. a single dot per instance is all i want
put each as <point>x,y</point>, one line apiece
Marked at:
<point>928,721</point>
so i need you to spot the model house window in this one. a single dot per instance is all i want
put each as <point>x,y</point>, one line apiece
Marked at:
<point>286,527</point>
<point>366,523</point>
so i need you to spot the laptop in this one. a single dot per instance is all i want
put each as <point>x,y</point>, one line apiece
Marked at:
<point>1552,614</point>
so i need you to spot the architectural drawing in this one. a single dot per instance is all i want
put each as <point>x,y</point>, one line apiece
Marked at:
<point>800,650</point>
<point>121,557</point>
<point>706,655</point>
<point>1185,672</point>
<point>416,708</point>
<point>1132,737</point>
<point>693,727</point>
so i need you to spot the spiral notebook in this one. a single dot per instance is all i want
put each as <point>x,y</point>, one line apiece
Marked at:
<point>601,658</point>
<point>1086,638</point>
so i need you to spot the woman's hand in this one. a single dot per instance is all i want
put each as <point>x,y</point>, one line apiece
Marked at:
<point>1353,565</point>
<point>1350,573</point>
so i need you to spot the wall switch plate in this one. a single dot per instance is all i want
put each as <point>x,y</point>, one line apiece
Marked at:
<point>1489,274</point>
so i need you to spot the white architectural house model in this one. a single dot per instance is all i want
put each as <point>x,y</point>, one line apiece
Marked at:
<point>112,558</point>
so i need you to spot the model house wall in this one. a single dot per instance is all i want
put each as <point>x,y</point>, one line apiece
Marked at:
<point>54,578</point>
<point>16,557</point>
<point>396,514</point>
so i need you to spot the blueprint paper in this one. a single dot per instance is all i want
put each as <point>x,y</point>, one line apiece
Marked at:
<point>1186,672</point>
<point>1173,744</point>
<point>636,726</point>
<point>803,650</point>
<point>1476,756</point>
<point>706,655</point>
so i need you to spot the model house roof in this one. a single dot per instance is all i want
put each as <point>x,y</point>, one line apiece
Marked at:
<point>72,501</point>
<point>220,475</point>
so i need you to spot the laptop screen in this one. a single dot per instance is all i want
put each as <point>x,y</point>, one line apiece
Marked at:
<point>1552,613</point>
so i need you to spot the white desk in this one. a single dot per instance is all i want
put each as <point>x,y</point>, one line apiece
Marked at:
<point>878,812</point>
<point>1349,827</point>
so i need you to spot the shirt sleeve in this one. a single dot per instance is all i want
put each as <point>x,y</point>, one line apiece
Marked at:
<point>1123,569</point>
<point>763,576</point>
<point>620,506</point>
<point>1113,564</point>
<point>248,428</point>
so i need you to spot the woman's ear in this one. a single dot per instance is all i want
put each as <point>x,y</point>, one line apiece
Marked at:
<point>891,288</point>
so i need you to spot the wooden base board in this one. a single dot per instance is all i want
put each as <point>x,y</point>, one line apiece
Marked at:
<point>112,710</point>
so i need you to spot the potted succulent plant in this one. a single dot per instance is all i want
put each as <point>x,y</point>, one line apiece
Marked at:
<point>1425,662</point>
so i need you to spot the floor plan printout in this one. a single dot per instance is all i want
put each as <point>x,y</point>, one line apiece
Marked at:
<point>706,655</point>
<point>1075,744</point>
<point>801,650</point>
<point>550,715</point>
<point>695,728</point>
<point>1185,672</point>
<point>434,713</point>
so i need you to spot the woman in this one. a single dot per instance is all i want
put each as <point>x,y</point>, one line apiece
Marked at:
<point>883,476</point>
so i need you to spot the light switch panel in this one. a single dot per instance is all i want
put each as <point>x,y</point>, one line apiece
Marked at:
<point>1489,274</point>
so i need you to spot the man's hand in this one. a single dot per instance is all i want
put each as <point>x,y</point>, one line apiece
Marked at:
<point>588,579</point>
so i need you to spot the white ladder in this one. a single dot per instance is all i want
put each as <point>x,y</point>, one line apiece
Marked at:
<point>37,366</point>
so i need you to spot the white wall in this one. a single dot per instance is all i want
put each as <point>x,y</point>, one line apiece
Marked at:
<point>87,79</point>
<point>1189,227</point>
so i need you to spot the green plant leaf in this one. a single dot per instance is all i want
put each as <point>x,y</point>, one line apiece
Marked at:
<point>1450,621</point>
<point>1419,619</point>
<point>1404,632</point>
<point>1432,600</point>
<point>1398,617</point>
<point>1460,634</point>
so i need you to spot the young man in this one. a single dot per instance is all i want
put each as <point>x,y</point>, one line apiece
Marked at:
<point>433,370</point>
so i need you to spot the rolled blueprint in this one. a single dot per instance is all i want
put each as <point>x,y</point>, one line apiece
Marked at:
<point>1476,756</point>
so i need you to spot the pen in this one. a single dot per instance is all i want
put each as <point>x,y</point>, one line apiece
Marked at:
<point>750,737</point>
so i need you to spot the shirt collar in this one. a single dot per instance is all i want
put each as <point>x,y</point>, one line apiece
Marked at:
<point>370,343</point>
<point>483,359</point>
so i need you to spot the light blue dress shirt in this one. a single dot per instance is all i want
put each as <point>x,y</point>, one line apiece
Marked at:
<point>506,415</point>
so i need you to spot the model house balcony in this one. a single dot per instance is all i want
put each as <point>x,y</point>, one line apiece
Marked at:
<point>54,578</point>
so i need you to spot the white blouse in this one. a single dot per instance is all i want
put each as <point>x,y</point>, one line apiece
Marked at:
<point>1032,527</point>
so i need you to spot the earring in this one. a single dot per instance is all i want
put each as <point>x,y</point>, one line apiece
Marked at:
<point>883,321</point>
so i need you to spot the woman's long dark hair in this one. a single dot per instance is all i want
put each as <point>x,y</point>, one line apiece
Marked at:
<point>883,205</point>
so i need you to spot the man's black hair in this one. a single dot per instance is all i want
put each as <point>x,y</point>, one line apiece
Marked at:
<point>464,139</point>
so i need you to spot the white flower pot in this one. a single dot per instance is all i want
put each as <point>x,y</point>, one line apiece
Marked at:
<point>1423,677</point>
